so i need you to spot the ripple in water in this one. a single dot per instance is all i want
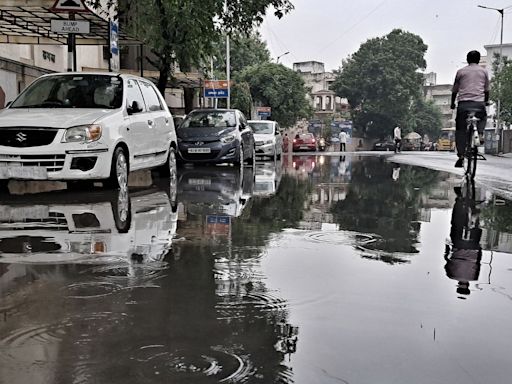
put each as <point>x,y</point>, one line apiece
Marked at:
<point>158,362</point>
<point>91,290</point>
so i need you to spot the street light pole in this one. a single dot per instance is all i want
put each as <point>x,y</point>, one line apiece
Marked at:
<point>500,61</point>
<point>278,57</point>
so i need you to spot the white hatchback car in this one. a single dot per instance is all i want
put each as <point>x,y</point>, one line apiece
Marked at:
<point>267,138</point>
<point>86,126</point>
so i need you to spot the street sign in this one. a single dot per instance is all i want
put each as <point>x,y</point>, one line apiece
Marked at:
<point>70,26</point>
<point>114,46</point>
<point>70,6</point>
<point>218,225</point>
<point>263,111</point>
<point>216,88</point>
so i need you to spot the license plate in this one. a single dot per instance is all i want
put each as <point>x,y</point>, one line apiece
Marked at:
<point>32,173</point>
<point>36,212</point>
<point>199,181</point>
<point>304,147</point>
<point>199,150</point>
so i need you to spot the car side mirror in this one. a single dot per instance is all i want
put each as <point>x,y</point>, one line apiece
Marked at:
<point>134,108</point>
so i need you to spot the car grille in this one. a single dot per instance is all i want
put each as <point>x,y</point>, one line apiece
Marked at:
<point>53,163</point>
<point>55,220</point>
<point>259,143</point>
<point>27,137</point>
<point>201,156</point>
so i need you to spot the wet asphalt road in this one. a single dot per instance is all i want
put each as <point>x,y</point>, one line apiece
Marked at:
<point>317,269</point>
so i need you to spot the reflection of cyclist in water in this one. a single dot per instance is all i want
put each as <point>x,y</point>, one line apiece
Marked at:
<point>463,264</point>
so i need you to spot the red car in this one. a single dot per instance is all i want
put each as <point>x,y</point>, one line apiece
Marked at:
<point>304,142</point>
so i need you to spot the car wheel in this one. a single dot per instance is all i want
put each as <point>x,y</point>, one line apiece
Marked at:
<point>251,161</point>
<point>119,170</point>
<point>240,159</point>
<point>173,179</point>
<point>121,210</point>
<point>170,165</point>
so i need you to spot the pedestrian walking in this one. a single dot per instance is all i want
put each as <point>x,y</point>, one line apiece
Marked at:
<point>343,141</point>
<point>397,135</point>
<point>285,142</point>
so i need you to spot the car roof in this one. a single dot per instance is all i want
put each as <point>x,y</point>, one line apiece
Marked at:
<point>215,110</point>
<point>261,121</point>
<point>97,73</point>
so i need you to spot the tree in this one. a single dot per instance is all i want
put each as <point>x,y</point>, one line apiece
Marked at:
<point>278,87</point>
<point>185,32</point>
<point>241,97</point>
<point>501,87</point>
<point>245,51</point>
<point>424,118</point>
<point>381,81</point>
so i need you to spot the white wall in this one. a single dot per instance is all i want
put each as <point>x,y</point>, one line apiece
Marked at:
<point>9,85</point>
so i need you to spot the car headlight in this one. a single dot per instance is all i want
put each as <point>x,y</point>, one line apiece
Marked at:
<point>228,139</point>
<point>269,141</point>
<point>83,134</point>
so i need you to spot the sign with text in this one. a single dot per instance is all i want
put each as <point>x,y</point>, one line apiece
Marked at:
<point>263,111</point>
<point>114,45</point>
<point>69,6</point>
<point>216,88</point>
<point>70,26</point>
<point>218,225</point>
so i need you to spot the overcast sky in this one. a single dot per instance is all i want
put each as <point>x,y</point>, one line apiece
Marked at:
<point>330,30</point>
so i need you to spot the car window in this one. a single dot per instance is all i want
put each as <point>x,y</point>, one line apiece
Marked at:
<point>263,127</point>
<point>72,91</point>
<point>150,96</point>
<point>209,119</point>
<point>133,93</point>
<point>306,136</point>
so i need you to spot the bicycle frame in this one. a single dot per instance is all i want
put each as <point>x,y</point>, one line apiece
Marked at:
<point>472,143</point>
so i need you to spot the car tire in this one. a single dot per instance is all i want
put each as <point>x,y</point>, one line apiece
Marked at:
<point>122,210</point>
<point>4,186</point>
<point>119,170</point>
<point>251,161</point>
<point>170,165</point>
<point>240,159</point>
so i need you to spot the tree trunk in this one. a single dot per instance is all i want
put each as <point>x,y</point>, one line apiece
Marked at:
<point>188,95</point>
<point>165,68</point>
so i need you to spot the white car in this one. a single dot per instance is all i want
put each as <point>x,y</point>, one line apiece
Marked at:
<point>86,126</point>
<point>267,138</point>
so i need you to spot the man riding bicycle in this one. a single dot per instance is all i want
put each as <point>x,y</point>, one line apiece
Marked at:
<point>472,86</point>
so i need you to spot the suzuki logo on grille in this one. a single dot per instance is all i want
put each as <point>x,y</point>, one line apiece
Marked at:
<point>21,137</point>
<point>199,143</point>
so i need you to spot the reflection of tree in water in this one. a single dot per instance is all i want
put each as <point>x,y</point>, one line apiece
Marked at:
<point>378,205</point>
<point>498,216</point>
<point>269,215</point>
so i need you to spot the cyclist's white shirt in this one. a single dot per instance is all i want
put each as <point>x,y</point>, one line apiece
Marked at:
<point>397,133</point>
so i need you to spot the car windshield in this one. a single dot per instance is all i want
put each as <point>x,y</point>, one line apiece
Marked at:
<point>73,91</point>
<point>306,136</point>
<point>262,127</point>
<point>209,119</point>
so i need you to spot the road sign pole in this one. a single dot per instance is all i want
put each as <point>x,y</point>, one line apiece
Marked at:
<point>71,48</point>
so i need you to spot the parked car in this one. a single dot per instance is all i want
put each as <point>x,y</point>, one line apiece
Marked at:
<point>267,137</point>
<point>216,136</point>
<point>86,126</point>
<point>384,145</point>
<point>304,142</point>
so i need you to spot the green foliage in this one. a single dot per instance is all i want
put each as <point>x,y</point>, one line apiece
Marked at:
<point>241,97</point>
<point>245,51</point>
<point>424,118</point>
<point>185,32</point>
<point>501,88</point>
<point>280,88</point>
<point>381,80</point>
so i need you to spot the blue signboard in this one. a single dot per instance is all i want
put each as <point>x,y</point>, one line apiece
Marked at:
<point>219,93</point>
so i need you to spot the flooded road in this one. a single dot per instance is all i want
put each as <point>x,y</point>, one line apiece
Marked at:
<point>316,269</point>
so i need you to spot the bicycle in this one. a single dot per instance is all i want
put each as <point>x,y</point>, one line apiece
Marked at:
<point>472,144</point>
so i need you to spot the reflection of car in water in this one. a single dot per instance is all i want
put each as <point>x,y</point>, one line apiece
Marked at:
<point>267,178</point>
<point>85,227</point>
<point>215,189</point>
<point>304,164</point>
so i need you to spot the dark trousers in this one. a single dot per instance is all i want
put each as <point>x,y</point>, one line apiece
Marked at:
<point>342,147</point>
<point>461,124</point>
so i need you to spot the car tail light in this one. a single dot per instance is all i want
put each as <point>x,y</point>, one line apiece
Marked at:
<point>294,140</point>
<point>314,141</point>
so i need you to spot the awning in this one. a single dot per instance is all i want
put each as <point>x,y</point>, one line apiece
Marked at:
<point>29,22</point>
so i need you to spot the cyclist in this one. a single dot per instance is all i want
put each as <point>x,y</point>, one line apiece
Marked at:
<point>472,87</point>
<point>397,136</point>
